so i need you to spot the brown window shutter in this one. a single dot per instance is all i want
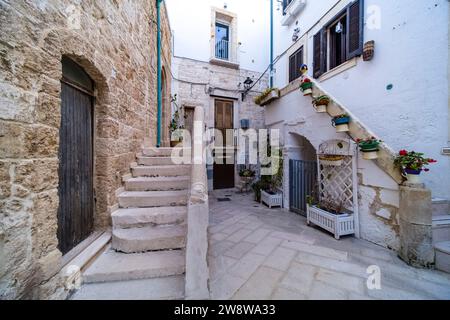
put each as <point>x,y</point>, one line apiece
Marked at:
<point>320,53</point>
<point>292,68</point>
<point>355,29</point>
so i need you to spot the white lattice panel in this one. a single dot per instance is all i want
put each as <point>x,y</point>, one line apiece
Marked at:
<point>337,182</point>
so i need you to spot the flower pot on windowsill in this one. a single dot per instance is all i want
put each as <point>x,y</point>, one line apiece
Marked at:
<point>413,176</point>
<point>341,123</point>
<point>331,160</point>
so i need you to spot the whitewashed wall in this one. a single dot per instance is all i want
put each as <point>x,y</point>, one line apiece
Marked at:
<point>191,25</point>
<point>411,53</point>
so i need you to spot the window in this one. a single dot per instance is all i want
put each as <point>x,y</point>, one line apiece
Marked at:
<point>222,41</point>
<point>340,40</point>
<point>295,62</point>
<point>286,3</point>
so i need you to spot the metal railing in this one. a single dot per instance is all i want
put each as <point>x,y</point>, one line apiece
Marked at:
<point>223,50</point>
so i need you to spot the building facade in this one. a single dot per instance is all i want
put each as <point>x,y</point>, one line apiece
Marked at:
<point>381,93</point>
<point>210,70</point>
<point>78,100</point>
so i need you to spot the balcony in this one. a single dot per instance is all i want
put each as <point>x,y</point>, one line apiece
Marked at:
<point>224,53</point>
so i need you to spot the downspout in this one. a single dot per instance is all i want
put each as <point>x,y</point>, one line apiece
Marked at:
<point>271,43</point>
<point>159,72</point>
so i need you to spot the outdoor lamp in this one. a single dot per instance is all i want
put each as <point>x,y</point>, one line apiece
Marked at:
<point>248,83</point>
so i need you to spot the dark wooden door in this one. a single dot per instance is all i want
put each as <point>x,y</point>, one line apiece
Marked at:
<point>76,193</point>
<point>302,183</point>
<point>223,175</point>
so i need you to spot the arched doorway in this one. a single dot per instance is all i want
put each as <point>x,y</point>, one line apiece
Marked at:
<point>76,157</point>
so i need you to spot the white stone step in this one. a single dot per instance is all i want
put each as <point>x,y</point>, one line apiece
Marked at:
<point>157,183</point>
<point>149,238</point>
<point>161,171</point>
<point>143,199</point>
<point>138,217</point>
<point>116,266</point>
<point>163,152</point>
<point>167,288</point>
<point>440,207</point>
<point>155,161</point>
<point>441,228</point>
<point>442,250</point>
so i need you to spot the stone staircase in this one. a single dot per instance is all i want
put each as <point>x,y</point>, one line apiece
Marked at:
<point>441,234</point>
<point>148,235</point>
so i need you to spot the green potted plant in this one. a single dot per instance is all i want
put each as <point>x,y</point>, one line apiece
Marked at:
<point>341,122</point>
<point>412,164</point>
<point>267,96</point>
<point>331,160</point>
<point>175,129</point>
<point>369,147</point>
<point>306,86</point>
<point>321,103</point>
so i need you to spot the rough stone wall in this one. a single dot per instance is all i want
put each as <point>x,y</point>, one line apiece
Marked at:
<point>115,42</point>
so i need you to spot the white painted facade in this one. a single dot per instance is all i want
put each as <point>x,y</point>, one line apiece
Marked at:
<point>411,53</point>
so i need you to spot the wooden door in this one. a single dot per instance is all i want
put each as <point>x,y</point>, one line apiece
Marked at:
<point>76,187</point>
<point>223,175</point>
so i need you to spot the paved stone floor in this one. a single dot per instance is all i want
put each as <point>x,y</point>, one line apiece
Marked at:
<point>261,253</point>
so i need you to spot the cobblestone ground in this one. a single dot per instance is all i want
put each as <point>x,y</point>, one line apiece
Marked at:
<point>261,253</point>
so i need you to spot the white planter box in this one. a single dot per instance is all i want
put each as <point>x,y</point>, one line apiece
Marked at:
<point>272,200</point>
<point>339,225</point>
<point>273,95</point>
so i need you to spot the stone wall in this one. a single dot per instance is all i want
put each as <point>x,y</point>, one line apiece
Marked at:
<point>200,83</point>
<point>115,42</point>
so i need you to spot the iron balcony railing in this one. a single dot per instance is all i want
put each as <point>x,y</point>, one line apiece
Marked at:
<point>223,50</point>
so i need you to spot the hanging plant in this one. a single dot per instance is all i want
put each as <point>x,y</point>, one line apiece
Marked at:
<point>412,164</point>
<point>331,160</point>
<point>341,122</point>
<point>369,148</point>
<point>306,87</point>
<point>321,103</point>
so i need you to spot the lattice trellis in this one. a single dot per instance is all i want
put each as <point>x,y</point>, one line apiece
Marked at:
<point>340,182</point>
<point>337,182</point>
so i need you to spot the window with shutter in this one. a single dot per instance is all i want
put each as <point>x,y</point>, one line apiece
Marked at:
<point>355,27</point>
<point>295,62</point>
<point>344,37</point>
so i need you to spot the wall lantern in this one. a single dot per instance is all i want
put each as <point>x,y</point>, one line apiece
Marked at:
<point>248,83</point>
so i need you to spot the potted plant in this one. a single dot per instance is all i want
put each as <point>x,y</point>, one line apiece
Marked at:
<point>267,96</point>
<point>331,160</point>
<point>321,103</point>
<point>330,214</point>
<point>369,148</point>
<point>306,87</point>
<point>412,164</point>
<point>341,122</point>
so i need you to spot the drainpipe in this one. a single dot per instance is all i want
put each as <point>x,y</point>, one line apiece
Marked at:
<point>271,43</point>
<point>159,75</point>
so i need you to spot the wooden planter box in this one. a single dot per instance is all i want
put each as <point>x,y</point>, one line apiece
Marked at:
<point>272,200</point>
<point>337,224</point>
<point>273,95</point>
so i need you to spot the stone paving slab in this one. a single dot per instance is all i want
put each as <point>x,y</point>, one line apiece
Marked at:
<point>261,253</point>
